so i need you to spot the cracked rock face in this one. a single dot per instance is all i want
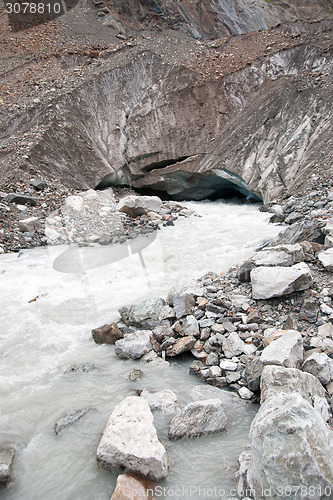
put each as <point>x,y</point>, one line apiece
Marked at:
<point>155,125</point>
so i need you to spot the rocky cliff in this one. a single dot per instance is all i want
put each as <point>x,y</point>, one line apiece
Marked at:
<point>192,119</point>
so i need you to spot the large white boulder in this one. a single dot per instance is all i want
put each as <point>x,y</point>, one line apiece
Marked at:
<point>164,401</point>
<point>286,351</point>
<point>282,255</point>
<point>129,442</point>
<point>291,447</point>
<point>276,281</point>
<point>139,205</point>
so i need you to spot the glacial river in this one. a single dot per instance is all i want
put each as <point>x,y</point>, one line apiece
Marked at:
<point>46,320</point>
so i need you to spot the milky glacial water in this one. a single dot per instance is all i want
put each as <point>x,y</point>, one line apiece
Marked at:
<point>42,339</point>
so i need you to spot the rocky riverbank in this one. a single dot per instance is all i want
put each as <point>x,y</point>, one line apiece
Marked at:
<point>42,214</point>
<point>264,330</point>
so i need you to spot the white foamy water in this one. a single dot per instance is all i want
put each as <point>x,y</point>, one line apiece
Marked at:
<point>42,339</point>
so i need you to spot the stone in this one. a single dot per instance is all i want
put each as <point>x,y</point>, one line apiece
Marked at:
<point>319,365</point>
<point>225,364</point>
<point>245,393</point>
<point>309,310</point>
<point>197,419</point>
<point>21,199</point>
<point>132,487</point>
<point>107,334</point>
<point>183,304</point>
<point>233,345</point>
<point>28,225</point>
<point>139,205</point>
<point>241,475</point>
<point>212,359</point>
<point>232,377</point>
<point>253,371</point>
<point>285,351</point>
<point>51,234</point>
<point>38,184</point>
<point>328,242</point>
<point>282,255</point>
<point>214,371</point>
<point>244,271</point>
<point>326,330</point>
<point>181,345</point>
<point>6,462</point>
<point>75,203</point>
<point>254,316</point>
<point>164,401</point>
<point>268,282</point>
<point>191,326</point>
<point>291,445</point>
<point>69,419</point>
<point>277,379</point>
<point>152,359</point>
<point>135,375</point>
<point>326,259</point>
<point>144,314</point>
<point>309,230</point>
<point>134,345</point>
<point>129,442</point>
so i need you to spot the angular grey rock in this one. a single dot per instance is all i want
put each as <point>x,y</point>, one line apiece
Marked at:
<point>253,373</point>
<point>21,199</point>
<point>28,225</point>
<point>286,351</point>
<point>198,418</point>
<point>152,359</point>
<point>244,271</point>
<point>134,345</point>
<point>6,461</point>
<point>191,326</point>
<point>139,205</point>
<point>276,281</point>
<point>309,310</point>
<point>291,445</point>
<point>281,255</point>
<point>326,330</point>
<point>277,379</point>
<point>308,230</point>
<point>320,366</point>
<point>129,442</point>
<point>183,304</point>
<point>326,258</point>
<point>75,203</point>
<point>135,375</point>
<point>69,419</point>
<point>164,401</point>
<point>245,393</point>
<point>144,314</point>
<point>233,345</point>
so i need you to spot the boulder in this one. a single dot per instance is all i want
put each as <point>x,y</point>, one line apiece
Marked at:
<point>319,365</point>
<point>286,351</point>
<point>75,203</point>
<point>144,314</point>
<point>69,419</point>
<point>139,205</point>
<point>164,401</point>
<point>6,462</point>
<point>291,447</point>
<point>129,442</point>
<point>134,345</point>
<point>309,230</point>
<point>21,199</point>
<point>198,418</point>
<point>268,282</point>
<point>181,345</point>
<point>107,334</point>
<point>132,487</point>
<point>326,258</point>
<point>29,225</point>
<point>233,345</point>
<point>277,379</point>
<point>253,371</point>
<point>281,255</point>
